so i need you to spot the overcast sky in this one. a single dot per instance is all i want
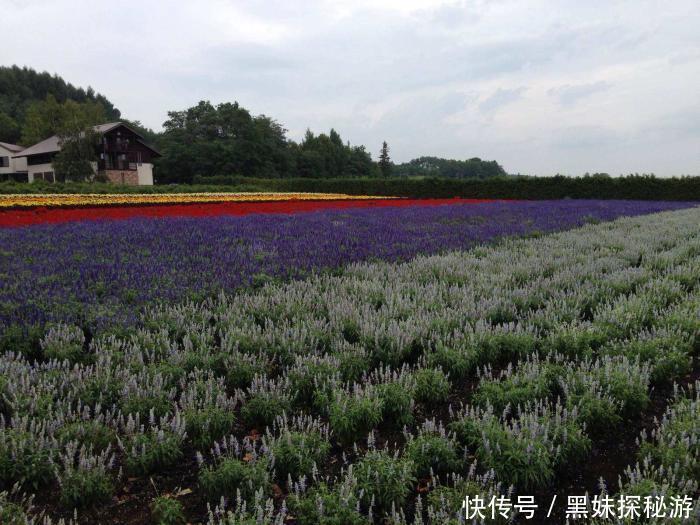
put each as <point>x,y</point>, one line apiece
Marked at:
<point>541,86</point>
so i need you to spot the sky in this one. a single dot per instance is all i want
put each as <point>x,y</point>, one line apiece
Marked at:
<point>543,87</point>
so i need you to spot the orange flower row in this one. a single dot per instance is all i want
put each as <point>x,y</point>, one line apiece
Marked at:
<point>95,199</point>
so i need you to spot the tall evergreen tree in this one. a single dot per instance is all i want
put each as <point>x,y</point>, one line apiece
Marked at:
<point>385,160</point>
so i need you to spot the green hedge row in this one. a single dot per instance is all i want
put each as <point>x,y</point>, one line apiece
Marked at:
<point>531,188</point>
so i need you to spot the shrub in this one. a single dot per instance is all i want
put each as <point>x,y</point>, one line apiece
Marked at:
<point>207,410</point>
<point>158,447</point>
<point>298,447</point>
<point>624,380</point>
<point>322,505</point>
<point>241,369</point>
<point>445,500</point>
<point>525,450</point>
<point>167,511</point>
<point>26,454</point>
<point>236,470</point>
<point>353,414</point>
<point>92,433</point>
<point>353,363</point>
<point>309,374</point>
<point>432,386</point>
<point>532,380</point>
<point>144,394</point>
<point>667,352</point>
<point>205,425</point>
<point>433,451</point>
<point>385,479</point>
<point>14,512</point>
<point>457,361</point>
<point>266,401</point>
<point>65,342</point>
<point>675,442</point>
<point>395,388</point>
<point>83,476</point>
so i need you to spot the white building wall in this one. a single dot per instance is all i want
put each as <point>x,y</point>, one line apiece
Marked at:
<point>15,165</point>
<point>144,172</point>
<point>32,170</point>
<point>20,164</point>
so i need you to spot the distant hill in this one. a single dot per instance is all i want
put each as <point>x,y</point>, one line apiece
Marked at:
<point>455,169</point>
<point>20,86</point>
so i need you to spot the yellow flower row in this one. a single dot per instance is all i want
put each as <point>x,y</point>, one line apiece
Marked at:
<point>96,199</point>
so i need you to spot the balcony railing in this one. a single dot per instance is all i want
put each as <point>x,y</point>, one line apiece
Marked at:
<point>121,165</point>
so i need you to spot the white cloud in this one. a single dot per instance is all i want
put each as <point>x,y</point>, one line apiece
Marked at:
<point>543,86</point>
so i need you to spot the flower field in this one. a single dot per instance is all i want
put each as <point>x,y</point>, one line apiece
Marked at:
<point>121,199</point>
<point>100,275</point>
<point>14,217</point>
<point>352,366</point>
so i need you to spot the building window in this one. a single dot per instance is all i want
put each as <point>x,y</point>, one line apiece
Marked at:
<point>4,162</point>
<point>48,176</point>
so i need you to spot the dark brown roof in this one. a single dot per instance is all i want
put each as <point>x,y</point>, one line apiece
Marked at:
<point>51,145</point>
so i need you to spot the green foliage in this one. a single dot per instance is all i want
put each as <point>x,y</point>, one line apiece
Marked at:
<point>456,169</point>
<point>675,443</point>
<point>325,506</point>
<point>167,511</point>
<point>206,425</point>
<point>353,416</point>
<point>526,450</point>
<point>260,410</point>
<point>224,139</point>
<point>21,87</point>
<point>432,386</point>
<point>433,452</point>
<point>397,401</point>
<point>91,433</point>
<point>457,361</point>
<point>12,512</point>
<point>384,478</point>
<point>50,117</point>
<point>533,380</point>
<point>669,354</point>
<point>151,451</point>
<point>9,129</point>
<point>26,457</point>
<point>82,488</point>
<point>144,403</point>
<point>24,340</point>
<point>634,187</point>
<point>242,368</point>
<point>78,152</point>
<point>231,475</point>
<point>296,452</point>
<point>385,164</point>
<point>528,188</point>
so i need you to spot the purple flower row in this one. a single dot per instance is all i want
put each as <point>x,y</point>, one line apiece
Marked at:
<point>101,274</point>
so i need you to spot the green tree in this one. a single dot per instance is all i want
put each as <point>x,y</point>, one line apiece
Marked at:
<point>221,140</point>
<point>20,87</point>
<point>78,152</point>
<point>49,117</point>
<point>384,160</point>
<point>9,130</point>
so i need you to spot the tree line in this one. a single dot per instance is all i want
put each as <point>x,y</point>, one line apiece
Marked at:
<point>205,140</point>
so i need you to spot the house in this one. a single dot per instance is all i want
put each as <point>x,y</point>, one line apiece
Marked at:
<point>123,157</point>
<point>11,167</point>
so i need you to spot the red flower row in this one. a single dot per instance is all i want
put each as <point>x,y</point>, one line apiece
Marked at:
<point>25,217</point>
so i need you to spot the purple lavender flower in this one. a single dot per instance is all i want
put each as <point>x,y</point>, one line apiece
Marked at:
<point>101,274</point>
